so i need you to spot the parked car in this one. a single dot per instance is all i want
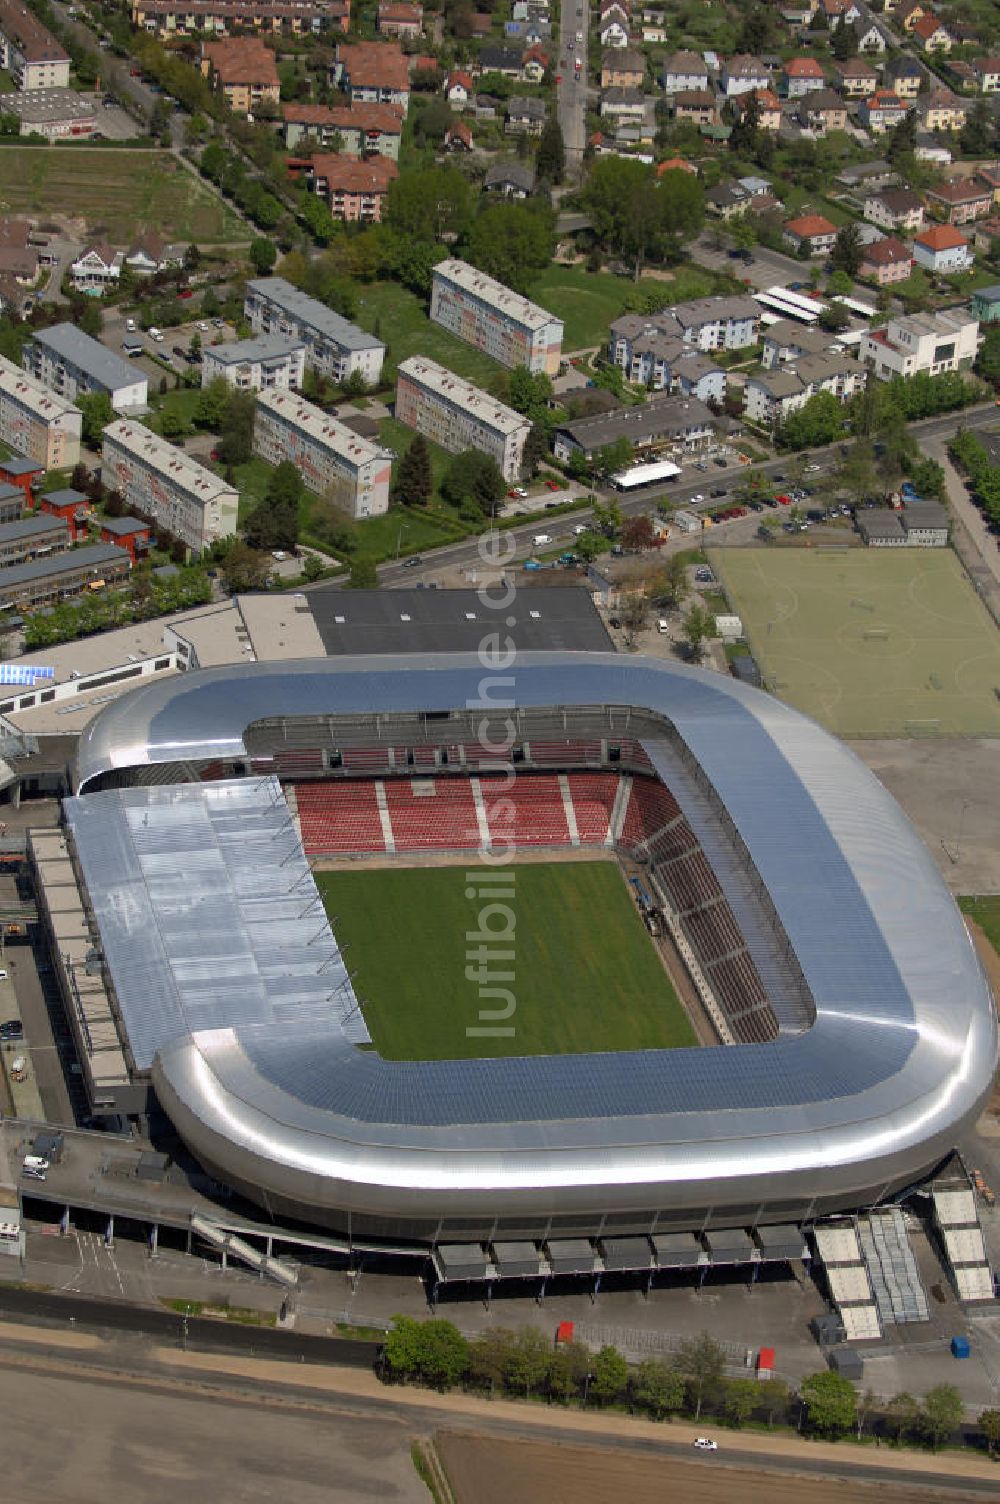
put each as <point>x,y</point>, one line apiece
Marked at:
<point>518,492</point>
<point>412,561</point>
<point>704,1444</point>
<point>717,491</point>
<point>553,485</point>
<point>718,460</point>
<point>12,1029</point>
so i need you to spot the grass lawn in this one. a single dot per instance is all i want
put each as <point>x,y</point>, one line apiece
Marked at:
<point>587,302</point>
<point>398,317</point>
<point>587,977</point>
<point>986,912</point>
<point>871,642</point>
<point>117,193</point>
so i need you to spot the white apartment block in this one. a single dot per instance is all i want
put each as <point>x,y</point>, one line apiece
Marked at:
<point>36,422</point>
<point>71,364</point>
<point>332,460</point>
<point>164,484</point>
<point>29,51</point>
<point>333,345</point>
<point>459,416</point>
<point>488,315</point>
<point>771,396</point>
<point>271,362</point>
<point>932,342</point>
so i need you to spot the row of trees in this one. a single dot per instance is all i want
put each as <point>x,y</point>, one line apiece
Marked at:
<point>902,400</point>
<point>692,1381</point>
<point>983,475</point>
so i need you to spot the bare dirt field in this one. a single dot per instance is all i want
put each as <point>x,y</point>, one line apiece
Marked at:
<point>485,1470</point>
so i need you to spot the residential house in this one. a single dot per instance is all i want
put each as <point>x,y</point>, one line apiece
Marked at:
<point>961,200</point>
<point>334,347</point>
<point>331,458</point>
<point>129,533</point>
<point>401,20</point>
<point>97,267</point>
<point>526,117</point>
<point>944,249</point>
<point>361,130</point>
<point>458,137</point>
<point>530,33</point>
<point>907,13</point>
<point>675,164</point>
<point>986,237</point>
<point>613,32</point>
<point>244,71</point>
<point>150,254</point>
<point>886,261</point>
<point>787,341</point>
<point>625,68</point>
<point>696,105</point>
<point>812,233</point>
<point>895,209</point>
<point>705,324</point>
<point>990,178</point>
<point>839,12</point>
<point>984,304</point>
<point>868,176</point>
<point>503,60</point>
<point>73,365</point>
<point>459,416</point>
<point>169,18</point>
<point>801,75</point>
<point>873,39</point>
<point>820,112</point>
<point>927,148</point>
<point>772,397</point>
<point>963,73</point>
<point>881,111</point>
<point>768,108</point>
<point>933,342</point>
<point>987,70</point>
<point>373,73</point>
<point>354,188</point>
<point>269,362</point>
<point>534,64</point>
<point>458,89</point>
<point>904,76</point>
<point>728,201</point>
<point>161,482</point>
<point>942,111</point>
<point>624,105</point>
<point>856,78</point>
<point>931,35</point>
<point>683,71</point>
<point>510,179</point>
<point>742,73</point>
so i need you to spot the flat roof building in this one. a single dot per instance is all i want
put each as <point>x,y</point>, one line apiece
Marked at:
<point>36,422</point>
<point>162,483</point>
<point>12,502</point>
<point>31,537</point>
<point>332,460</point>
<point>72,364</point>
<point>485,313</point>
<point>56,114</point>
<point>649,425</point>
<point>458,416</point>
<point>61,576</point>
<point>271,362</point>
<point>333,345</point>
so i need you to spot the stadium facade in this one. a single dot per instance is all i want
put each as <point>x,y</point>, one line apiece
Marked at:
<point>236,1008</point>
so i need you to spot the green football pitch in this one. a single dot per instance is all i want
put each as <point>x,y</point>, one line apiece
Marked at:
<point>871,642</point>
<point>586,976</point>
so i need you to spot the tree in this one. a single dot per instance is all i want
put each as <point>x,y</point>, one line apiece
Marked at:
<point>940,1415</point>
<point>489,1356</point>
<point>699,624</point>
<point>429,203</point>
<point>978,135</point>
<point>244,568</point>
<point>312,567</point>
<point>847,249</point>
<point>844,42</point>
<point>473,477</point>
<point>989,1424</point>
<point>773,1395</point>
<point>901,1416</point>
<point>569,1366</point>
<point>536,447</point>
<point>262,255</point>
<point>550,163</point>
<point>443,1353</point>
<point>89,318</point>
<point>610,1375</point>
<point>988,360</point>
<point>701,1361</point>
<point>528,1360</point>
<point>670,586</point>
<point>402,1348</point>
<point>530,392</point>
<point>657,1388</point>
<point>902,139</point>
<point>274,522</point>
<point>834,317</point>
<point>819,421</point>
<point>638,534</point>
<point>363,575</point>
<point>211,406</point>
<point>512,242</point>
<point>97,414</point>
<point>236,429</point>
<point>739,1398</point>
<point>746,128</point>
<point>633,610</point>
<point>414,479</point>
<point>831,1404</point>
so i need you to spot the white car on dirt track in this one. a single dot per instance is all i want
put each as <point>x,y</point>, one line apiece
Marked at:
<point>705,1445</point>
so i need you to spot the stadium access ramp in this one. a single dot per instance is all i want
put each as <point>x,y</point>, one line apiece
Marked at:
<point>232,1246</point>
<point>956,1219</point>
<point>838,1249</point>
<point>892,1268</point>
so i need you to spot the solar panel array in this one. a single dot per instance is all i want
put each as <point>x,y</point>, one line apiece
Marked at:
<point>25,674</point>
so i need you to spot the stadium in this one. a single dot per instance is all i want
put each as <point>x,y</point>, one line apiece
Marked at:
<point>738,995</point>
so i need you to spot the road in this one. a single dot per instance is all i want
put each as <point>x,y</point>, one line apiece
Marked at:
<point>572,91</point>
<point>768,268</point>
<point>470,553</point>
<point>114,71</point>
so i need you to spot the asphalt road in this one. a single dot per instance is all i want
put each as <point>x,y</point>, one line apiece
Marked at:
<point>572,92</point>
<point>472,552</point>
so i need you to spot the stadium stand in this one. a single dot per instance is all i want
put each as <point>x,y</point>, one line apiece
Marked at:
<point>339,817</point>
<point>593,799</point>
<point>432,814</point>
<point>528,811</point>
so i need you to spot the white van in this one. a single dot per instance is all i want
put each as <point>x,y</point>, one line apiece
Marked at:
<point>662,626</point>
<point>36,1163</point>
<point>130,326</point>
<point>541,538</point>
<point>156,335</point>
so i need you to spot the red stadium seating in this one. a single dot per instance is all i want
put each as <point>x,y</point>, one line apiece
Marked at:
<point>528,813</point>
<point>339,817</point>
<point>290,764</point>
<point>441,820</point>
<point>593,796</point>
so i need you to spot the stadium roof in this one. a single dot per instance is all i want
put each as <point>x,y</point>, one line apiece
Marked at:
<point>544,618</point>
<point>901,1054</point>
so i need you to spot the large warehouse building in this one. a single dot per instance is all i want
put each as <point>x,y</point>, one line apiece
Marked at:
<point>849,1033</point>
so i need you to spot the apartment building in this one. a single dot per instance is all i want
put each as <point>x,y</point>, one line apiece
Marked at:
<point>488,315</point>
<point>271,362</point>
<point>28,50</point>
<point>787,341</point>
<point>35,422</point>
<point>458,416</point>
<point>333,346</point>
<point>886,261</point>
<point>373,73</point>
<point>398,19</point>
<point>71,364</point>
<point>932,342</point>
<point>364,130</point>
<point>682,72</point>
<point>679,422</point>
<point>772,396</point>
<point>812,234</point>
<point>281,18</point>
<point>60,577</point>
<point>162,483</point>
<point>944,249</point>
<point>895,209</point>
<point>353,188</point>
<point>245,73</point>
<point>332,460</point>
<point>961,200</point>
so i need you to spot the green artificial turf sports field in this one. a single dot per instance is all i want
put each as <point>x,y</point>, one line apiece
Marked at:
<point>587,977</point>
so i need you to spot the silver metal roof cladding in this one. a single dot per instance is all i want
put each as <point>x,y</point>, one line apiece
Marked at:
<point>902,1052</point>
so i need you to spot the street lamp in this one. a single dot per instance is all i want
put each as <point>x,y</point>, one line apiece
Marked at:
<point>403,527</point>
